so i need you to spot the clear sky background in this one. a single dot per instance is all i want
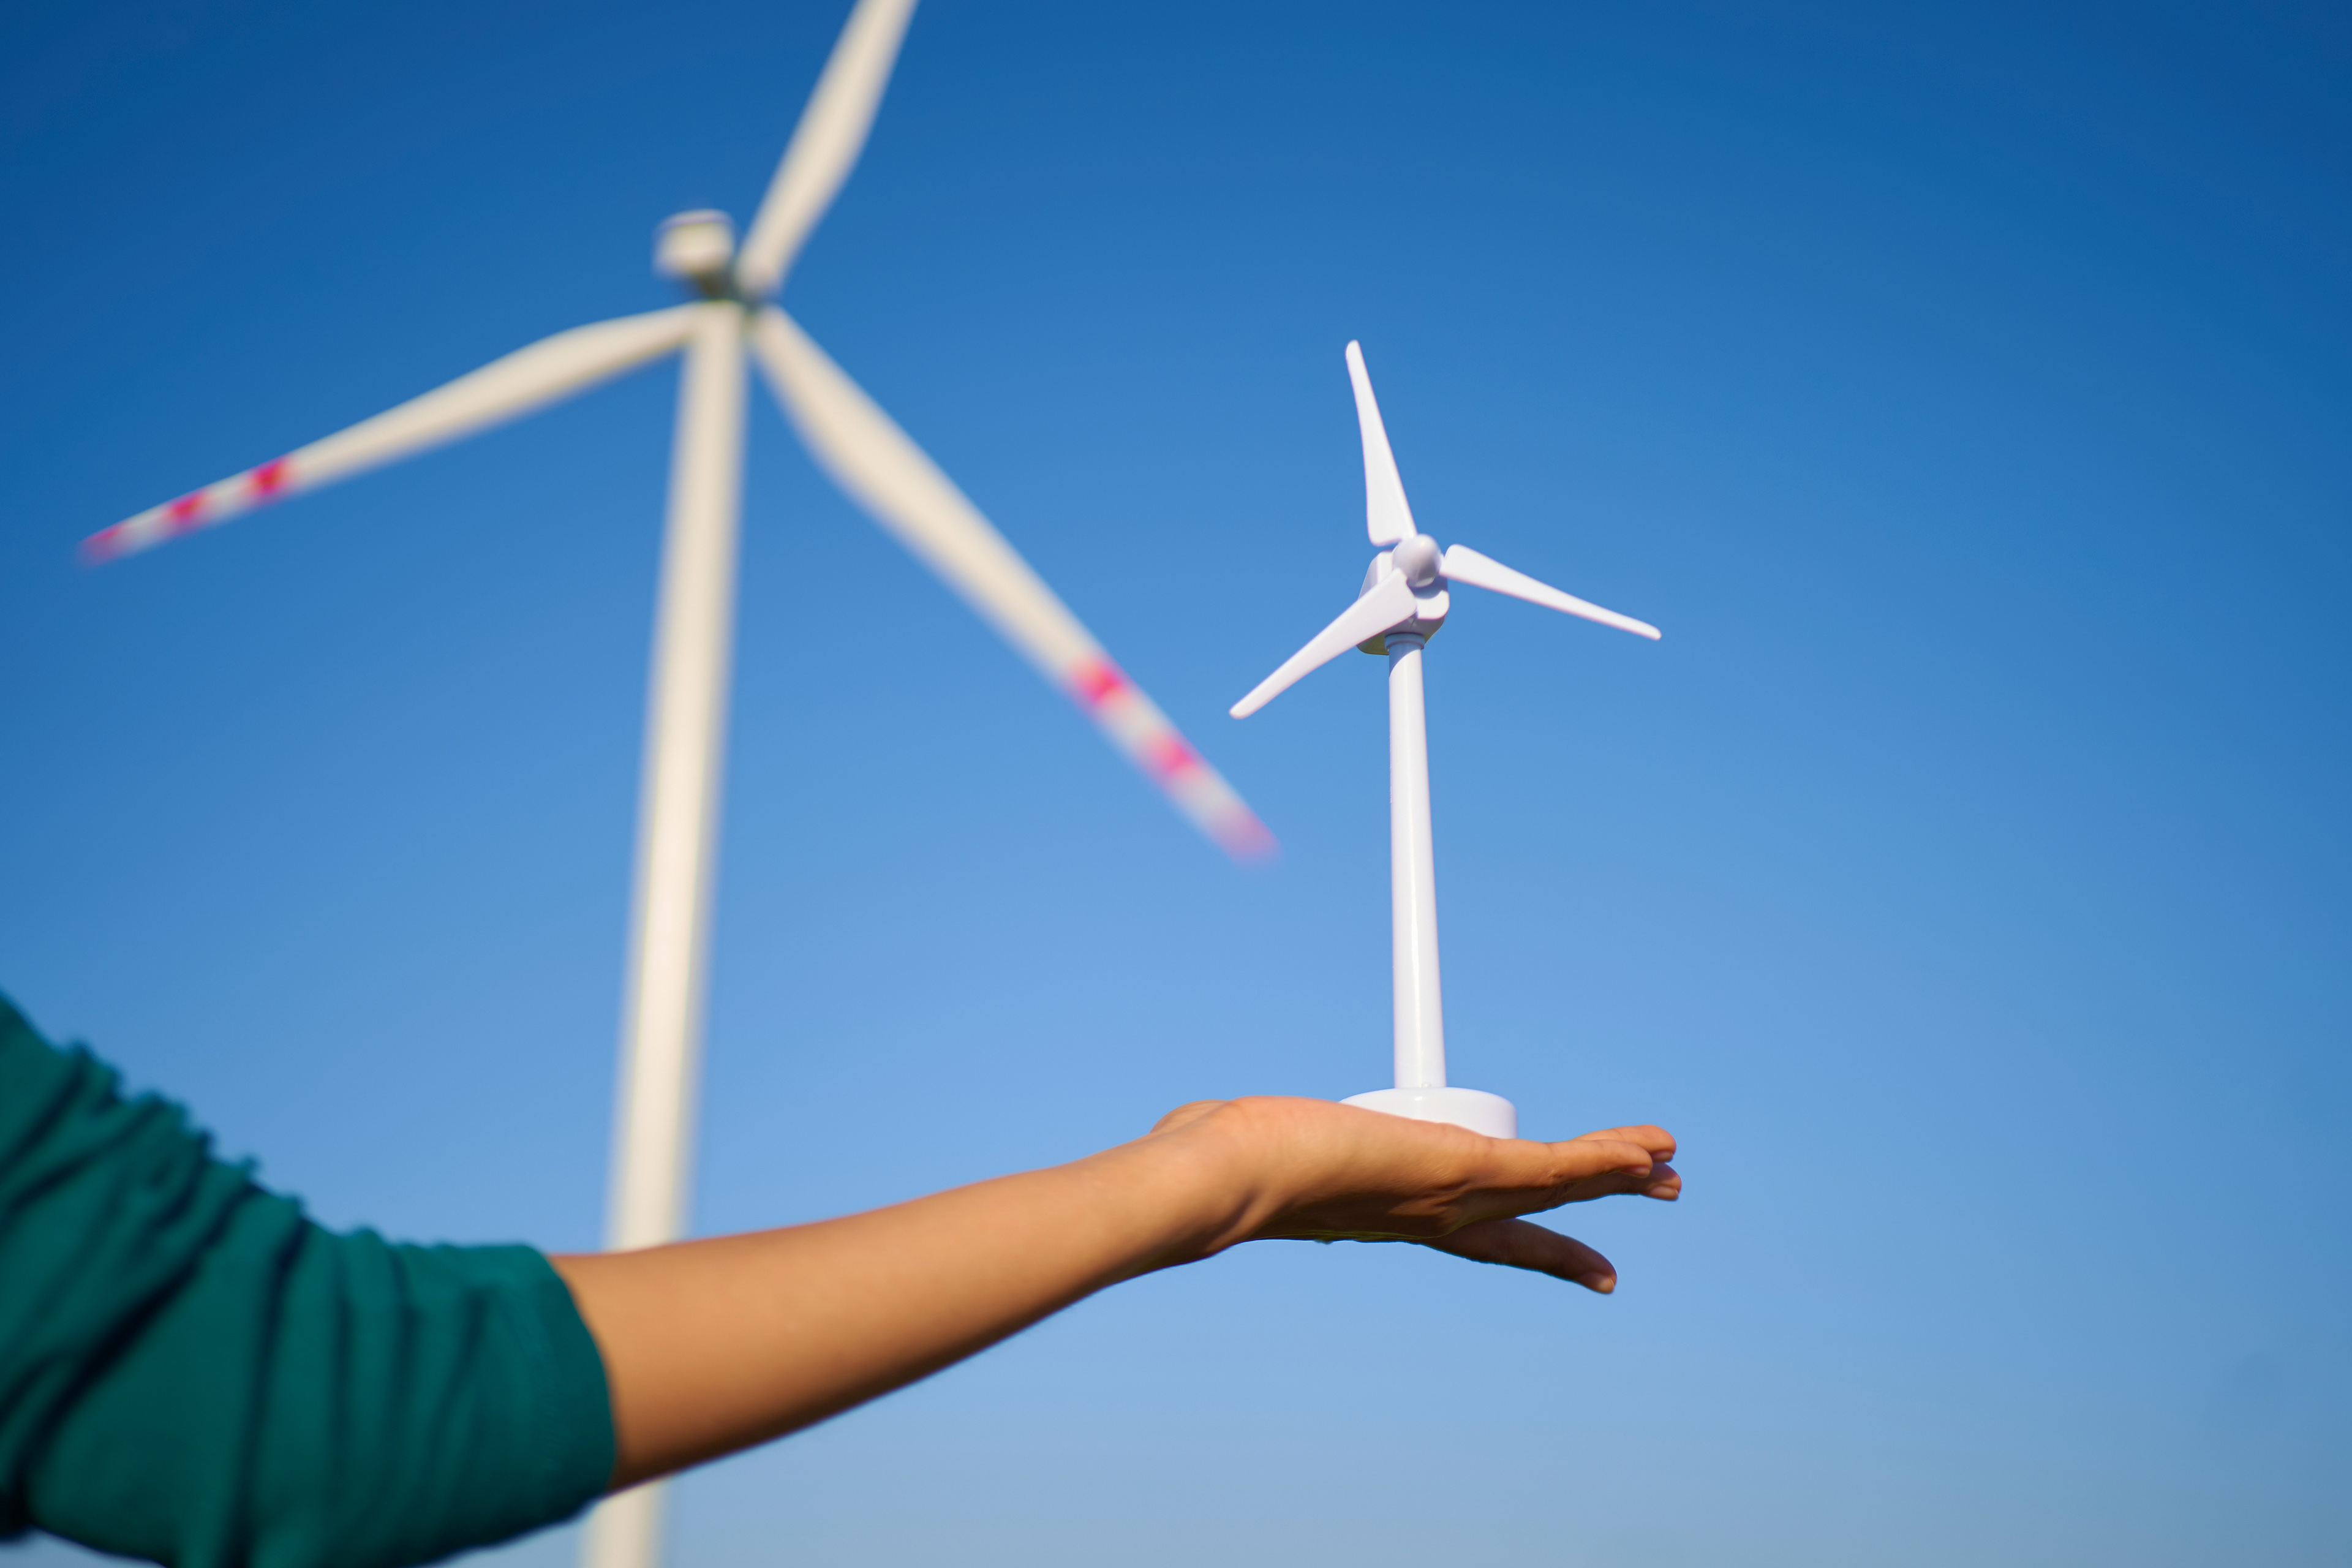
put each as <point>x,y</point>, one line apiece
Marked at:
<point>1965,878</point>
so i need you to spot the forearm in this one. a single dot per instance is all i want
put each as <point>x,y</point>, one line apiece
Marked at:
<point>710,1346</point>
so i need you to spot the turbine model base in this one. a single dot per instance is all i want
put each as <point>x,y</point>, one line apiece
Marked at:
<point>1472,1108</point>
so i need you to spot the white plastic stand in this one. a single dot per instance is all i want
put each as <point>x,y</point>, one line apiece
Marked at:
<point>1472,1108</point>
<point>1421,1092</point>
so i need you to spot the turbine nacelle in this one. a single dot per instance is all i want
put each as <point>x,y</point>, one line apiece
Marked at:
<point>698,249</point>
<point>1417,563</point>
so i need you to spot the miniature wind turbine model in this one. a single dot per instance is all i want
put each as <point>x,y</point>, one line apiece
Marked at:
<point>1401,604</point>
<point>868,455</point>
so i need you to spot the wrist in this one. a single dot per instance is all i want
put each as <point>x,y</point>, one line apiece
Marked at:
<point>1204,1181</point>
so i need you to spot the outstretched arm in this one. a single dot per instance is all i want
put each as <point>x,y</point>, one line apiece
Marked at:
<point>711,1346</point>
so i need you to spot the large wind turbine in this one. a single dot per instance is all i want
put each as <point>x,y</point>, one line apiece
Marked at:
<point>1400,606</point>
<point>871,458</point>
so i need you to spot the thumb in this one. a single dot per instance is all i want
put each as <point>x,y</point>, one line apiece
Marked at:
<point>1519,1244</point>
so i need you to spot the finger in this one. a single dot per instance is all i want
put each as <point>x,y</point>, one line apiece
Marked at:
<point>1656,1140</point>
<point>1584,1172</point>
<point>1594,1157</point>
<point>1659,1181</point>
<point>1591,1153</point>
<point>1516,1244</point>
<point>1637,1178</point>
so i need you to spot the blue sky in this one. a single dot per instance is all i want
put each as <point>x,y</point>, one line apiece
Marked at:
<point>1965,878</point>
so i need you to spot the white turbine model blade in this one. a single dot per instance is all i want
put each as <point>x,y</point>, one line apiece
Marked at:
<point>826,144</point>
<point>1462,564</point>
<point>869,457</point>
<point>504,389</point>
<point>1387,602</point>
<point>1387,515</point>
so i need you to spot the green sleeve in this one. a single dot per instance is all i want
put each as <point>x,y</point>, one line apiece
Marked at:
<point>192,1372</point>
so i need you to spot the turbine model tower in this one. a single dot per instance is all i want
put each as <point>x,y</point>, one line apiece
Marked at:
<point>1401,604</point>
<point>871,458</point>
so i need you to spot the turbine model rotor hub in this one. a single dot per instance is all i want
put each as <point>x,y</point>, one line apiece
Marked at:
<point>697,249</point>
<point>1417,558</point>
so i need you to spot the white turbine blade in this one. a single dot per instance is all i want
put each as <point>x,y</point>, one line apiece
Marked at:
<point>826,144</point>
<point>1387,602</point>
<point>1387,515</point>
<point>869,457</point>
<point>1462,564</point>
<point>504,389</point>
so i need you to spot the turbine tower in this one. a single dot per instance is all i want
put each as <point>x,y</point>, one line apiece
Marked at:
<point>869,457</point>
<point>1401,604</point>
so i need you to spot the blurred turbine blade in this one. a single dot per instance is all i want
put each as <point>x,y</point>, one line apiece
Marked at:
<point>824,145</point>
<point>1387,602</point>
<point>869,457</point>
<point>1462,564</point>
<point>525,380</point>
<point>1387,516</point>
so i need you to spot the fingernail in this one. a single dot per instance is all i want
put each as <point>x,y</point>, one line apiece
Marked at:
<point>1603,1283</point>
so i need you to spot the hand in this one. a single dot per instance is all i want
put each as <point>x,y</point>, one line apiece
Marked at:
<point>1324,1172</point>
